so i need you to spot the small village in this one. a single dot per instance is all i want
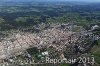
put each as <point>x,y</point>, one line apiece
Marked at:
<point>56,41</point>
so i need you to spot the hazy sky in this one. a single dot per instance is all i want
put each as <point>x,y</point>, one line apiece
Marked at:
<point>57,0</point>
<point>82,0</point>
<point>86,0</point>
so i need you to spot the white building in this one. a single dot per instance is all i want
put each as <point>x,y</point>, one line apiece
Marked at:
<point>94,27</point>
<point>45,53</point>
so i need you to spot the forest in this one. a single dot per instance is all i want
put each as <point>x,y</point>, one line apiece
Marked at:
<point>15,15</point>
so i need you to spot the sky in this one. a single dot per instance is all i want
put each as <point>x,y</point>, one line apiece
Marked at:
<point>86,0</point>
<point>57,0</point>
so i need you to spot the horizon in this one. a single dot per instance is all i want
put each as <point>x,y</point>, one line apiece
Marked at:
<point>50,0</point>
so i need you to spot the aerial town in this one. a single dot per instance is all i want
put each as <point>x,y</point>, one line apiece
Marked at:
<point>55,41</point>
<point>49,32</point>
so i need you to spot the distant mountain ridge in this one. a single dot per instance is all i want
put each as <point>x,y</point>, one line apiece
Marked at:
<point>47,1</point>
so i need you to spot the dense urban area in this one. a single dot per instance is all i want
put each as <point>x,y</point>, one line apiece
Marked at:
<point>37,33</point>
